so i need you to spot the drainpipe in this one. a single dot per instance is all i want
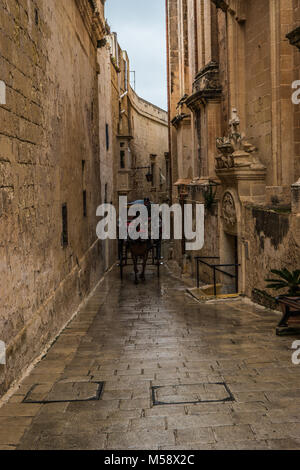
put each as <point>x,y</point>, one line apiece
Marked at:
<point>169,104</point>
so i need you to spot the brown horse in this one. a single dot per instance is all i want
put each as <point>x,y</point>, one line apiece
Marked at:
<point>139,249</point>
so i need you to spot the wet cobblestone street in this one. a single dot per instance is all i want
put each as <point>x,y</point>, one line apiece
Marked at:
<point>176,374</point>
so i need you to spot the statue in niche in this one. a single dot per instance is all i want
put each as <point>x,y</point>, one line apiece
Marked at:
<point>235,151</point>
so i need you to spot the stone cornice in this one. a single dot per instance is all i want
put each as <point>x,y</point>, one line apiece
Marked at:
<point>242,174</point>
<point>202,97</point>
<point>147,109</point>
<point>92,13</point>
<point>179,118</point>
<point>236,8</point>
<point>221,4</point>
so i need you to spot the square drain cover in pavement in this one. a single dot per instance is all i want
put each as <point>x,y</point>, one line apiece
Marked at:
<point>191,394</point>
<point>64,392</point>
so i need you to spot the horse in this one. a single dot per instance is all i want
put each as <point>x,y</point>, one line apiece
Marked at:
<point>139,249</point>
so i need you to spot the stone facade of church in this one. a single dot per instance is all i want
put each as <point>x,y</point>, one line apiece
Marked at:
<point>235,133</point>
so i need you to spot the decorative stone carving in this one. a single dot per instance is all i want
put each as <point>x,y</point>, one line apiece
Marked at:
<point>207,78</point>
<point>236,8</point>
<point>206,86</point>
<point>235,151</point>
<point>229,210</point>
<point>221,4</point>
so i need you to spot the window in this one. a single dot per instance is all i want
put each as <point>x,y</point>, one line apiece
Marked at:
<point>84,194</point>
<point>122,159</point>
<point>84,203</point>
<point>65,237</point>
<point>107,136</point>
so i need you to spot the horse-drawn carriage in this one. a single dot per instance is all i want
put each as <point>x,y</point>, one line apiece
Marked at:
<point>131,250</point>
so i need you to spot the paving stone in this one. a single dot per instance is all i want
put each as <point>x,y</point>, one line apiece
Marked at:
<point>82,441</point>
<point>194,435</point>
<point>12,409</point>
<point>38,392</point>
<point>166,411</point>
<point>16,399</point>
<point>18,421</point>
<point>251,445</point>
<point>200,421</point>
<point>283,444</point>
<point>277,430</point>
<point>134,404</point>
<point>142,439</point>
<point>116,395</point>
<point>12,434</point>
<point>250,417</point>
<point>130,414</point>
<point>233,433</point>
<point>248,397</point>
<point>146,424</point>
<point>134,338</point>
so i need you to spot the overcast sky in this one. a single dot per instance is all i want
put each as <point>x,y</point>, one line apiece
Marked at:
<point>140,25</point>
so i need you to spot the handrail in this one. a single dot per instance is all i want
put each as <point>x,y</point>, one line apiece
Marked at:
<point>216,267</point>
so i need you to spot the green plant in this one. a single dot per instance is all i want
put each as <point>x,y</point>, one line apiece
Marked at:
<point>286,280</point>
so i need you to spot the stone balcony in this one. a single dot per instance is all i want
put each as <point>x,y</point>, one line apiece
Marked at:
<point>206,86</point>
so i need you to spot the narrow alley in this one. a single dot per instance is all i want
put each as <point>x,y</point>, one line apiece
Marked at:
<point>163,134</point>
<point>176,374</point>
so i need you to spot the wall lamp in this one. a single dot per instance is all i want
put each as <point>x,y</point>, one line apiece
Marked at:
<point>149,175</point>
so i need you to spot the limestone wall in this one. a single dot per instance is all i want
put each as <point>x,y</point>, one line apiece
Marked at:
<point>49,154</point>
<point>149,126</point>
<point>274,243</point>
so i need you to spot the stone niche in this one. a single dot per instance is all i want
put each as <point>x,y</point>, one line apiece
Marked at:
<point>238,164</point>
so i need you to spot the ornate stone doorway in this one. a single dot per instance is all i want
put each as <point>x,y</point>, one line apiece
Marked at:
<point>229,242</point>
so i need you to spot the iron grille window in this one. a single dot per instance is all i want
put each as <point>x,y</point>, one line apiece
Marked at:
<point>65,237</point>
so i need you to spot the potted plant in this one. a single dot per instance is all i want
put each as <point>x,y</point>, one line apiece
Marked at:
<point>286,280</point>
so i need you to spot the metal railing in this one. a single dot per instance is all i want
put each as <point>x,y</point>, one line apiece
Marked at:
<point>216,268</point>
